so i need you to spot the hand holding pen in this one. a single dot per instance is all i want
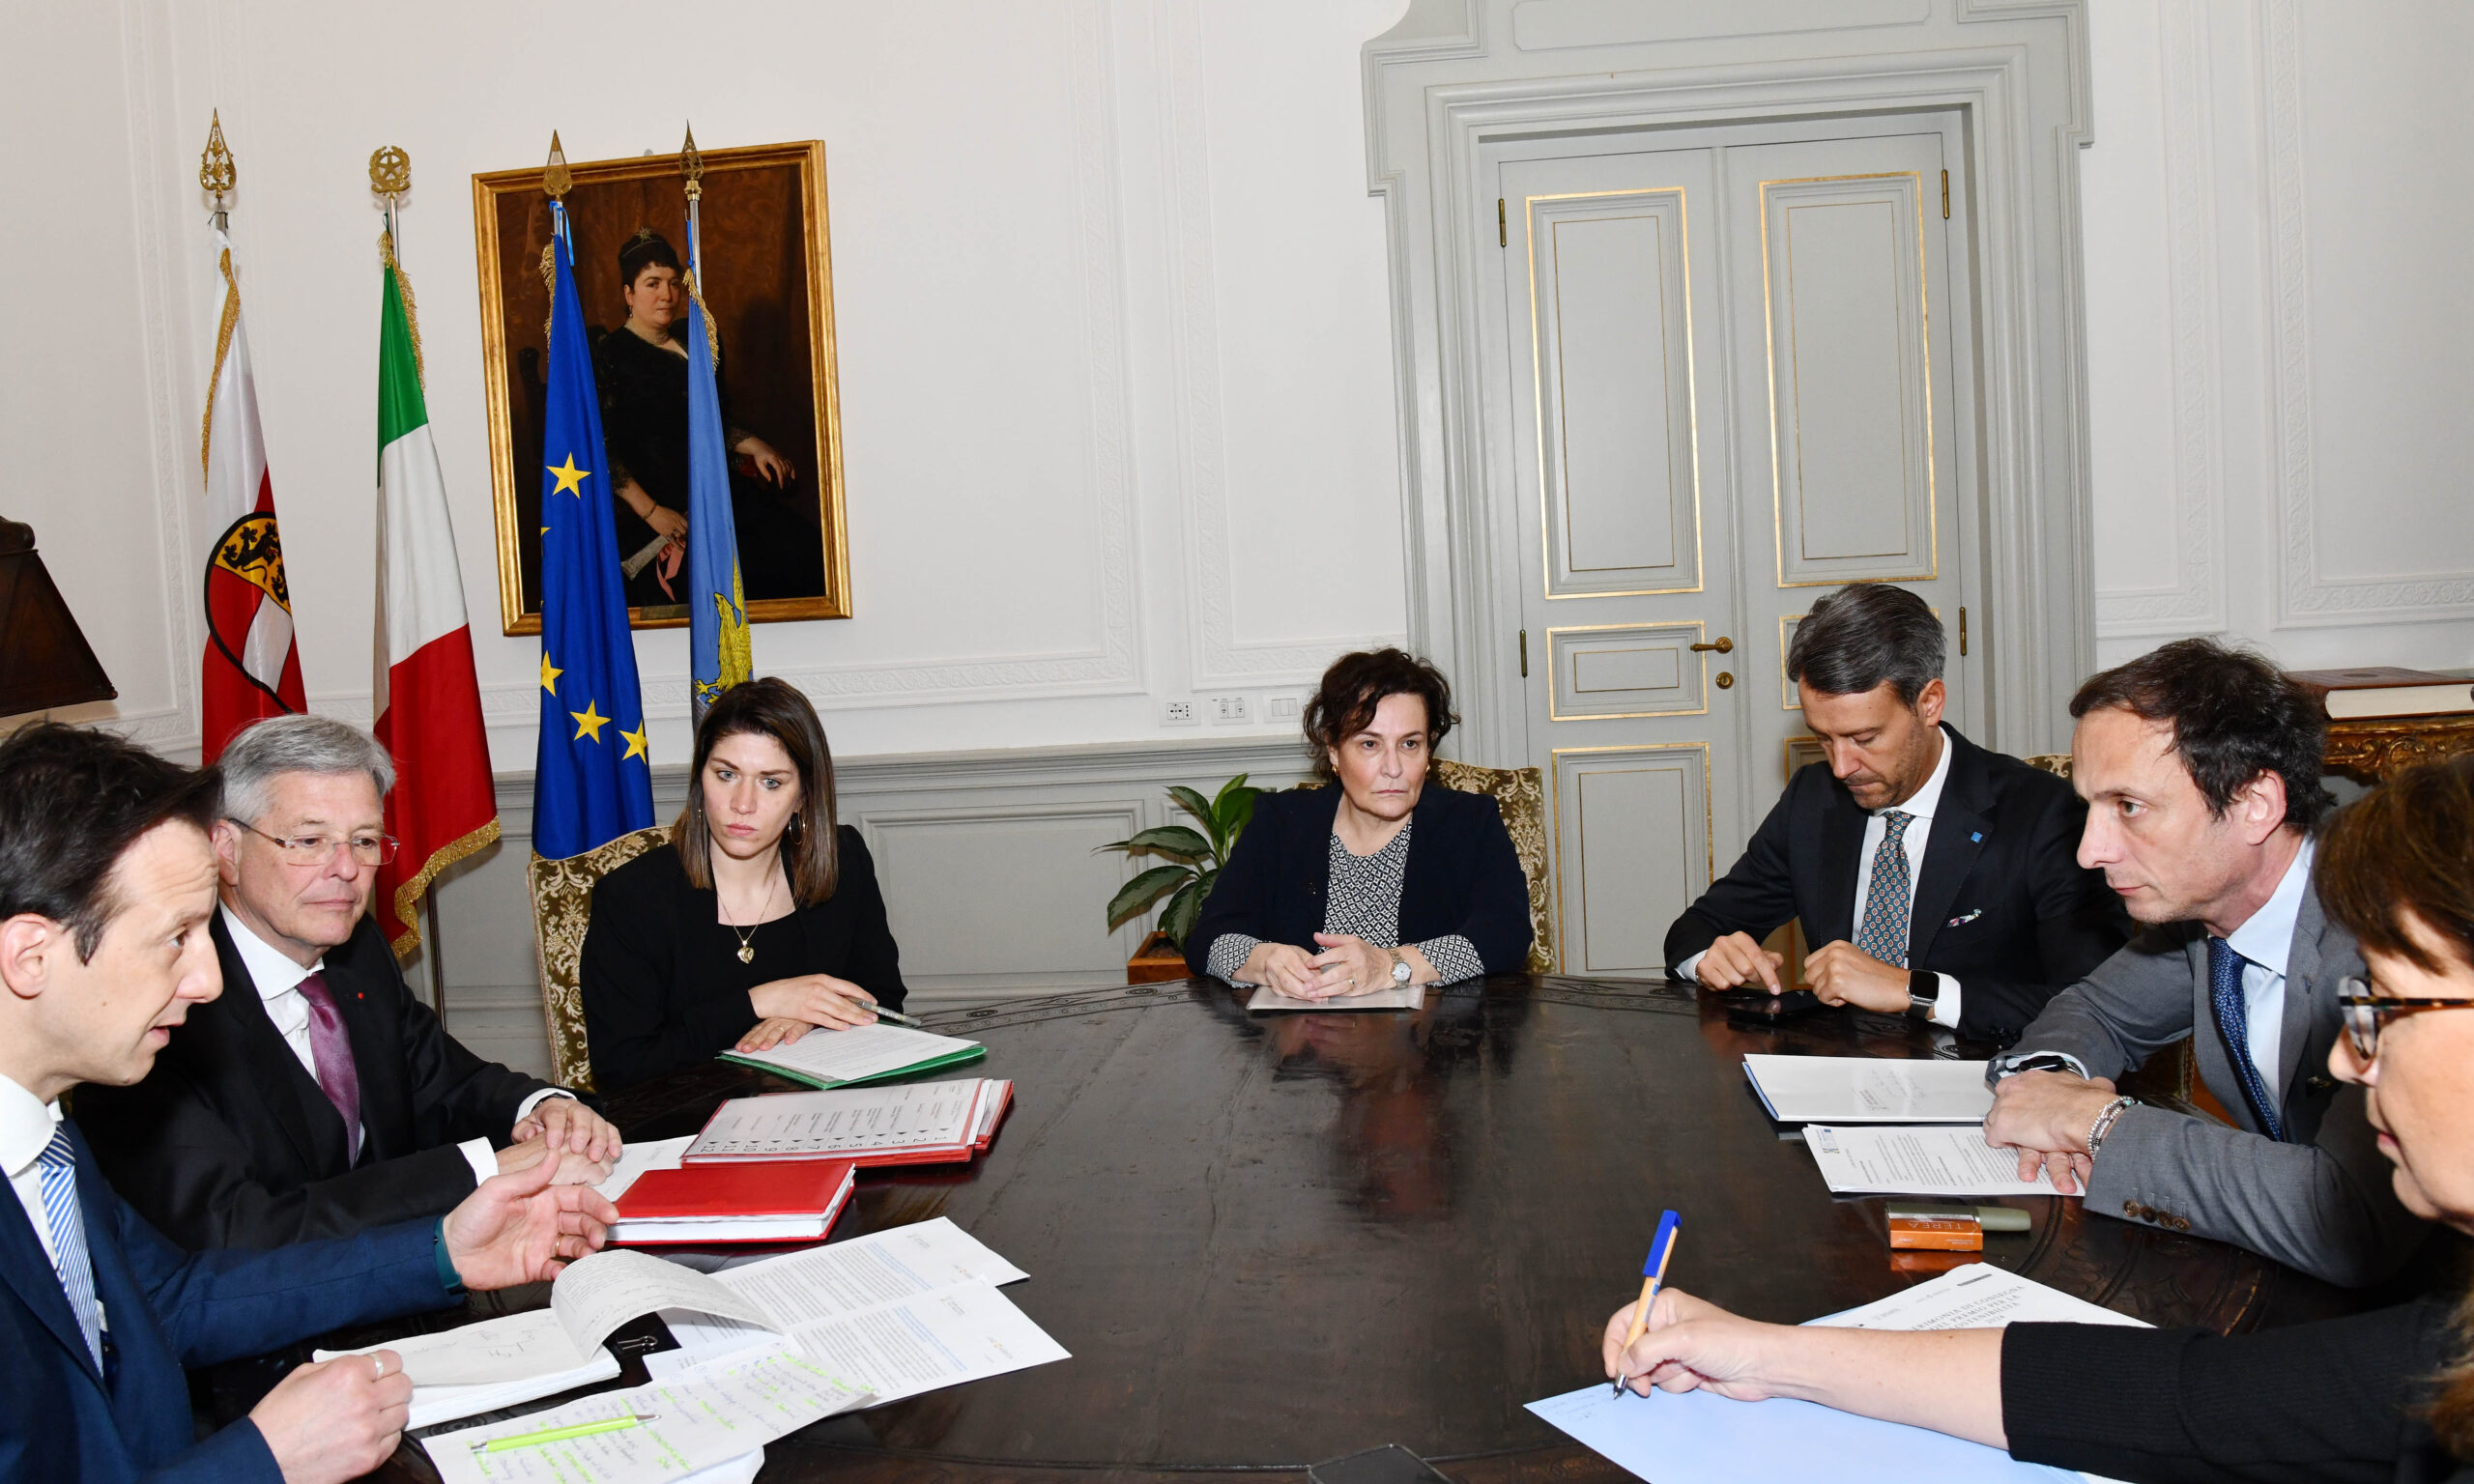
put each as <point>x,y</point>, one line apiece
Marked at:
<point>1653,1274</point>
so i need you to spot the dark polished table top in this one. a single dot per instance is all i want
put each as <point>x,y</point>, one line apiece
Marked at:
<point>1271,1239</point>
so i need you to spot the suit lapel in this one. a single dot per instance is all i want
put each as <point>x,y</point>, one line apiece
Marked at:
<point>2304,976</point>
<point>315,1129</point>
<point>1842,847</point>
<point>30,1274</point>
<point>1960,829</point>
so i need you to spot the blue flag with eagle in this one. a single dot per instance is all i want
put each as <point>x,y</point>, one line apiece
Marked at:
<point>594,779</point>
<point>719,654</point>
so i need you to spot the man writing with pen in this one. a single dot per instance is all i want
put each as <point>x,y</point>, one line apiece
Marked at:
<point>107,883</point>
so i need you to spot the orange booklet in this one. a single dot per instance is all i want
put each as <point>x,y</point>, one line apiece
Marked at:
<point>781,1200</point>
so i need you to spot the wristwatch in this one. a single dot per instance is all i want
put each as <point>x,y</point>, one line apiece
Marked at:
<point>1923,993</point>
<point>2034,1061</point>
<point>1400,970</point>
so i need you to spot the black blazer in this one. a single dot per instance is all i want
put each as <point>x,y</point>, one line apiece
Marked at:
<point>1463,877</point>
<point>229,1143</point>
<point>2339,1399</point>
<point>663,988</point>
<point>2002,905</point>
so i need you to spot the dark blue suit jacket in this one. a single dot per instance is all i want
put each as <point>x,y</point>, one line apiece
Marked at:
<point>61,1420</point>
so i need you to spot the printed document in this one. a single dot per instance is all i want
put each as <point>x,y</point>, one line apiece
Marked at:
<point>826,1124</point>
<point>1976,1297</point>
<point>1869,1090</point>
<point>861,1053</point>
<point>1932,1161</point>
<point>1398,997</point>
<point>493,1364</point>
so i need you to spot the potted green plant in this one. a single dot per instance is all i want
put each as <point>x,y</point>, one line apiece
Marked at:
<point>1196,857</point>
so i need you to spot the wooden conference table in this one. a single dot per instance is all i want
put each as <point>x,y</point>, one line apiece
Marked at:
<point>1272,1239</point>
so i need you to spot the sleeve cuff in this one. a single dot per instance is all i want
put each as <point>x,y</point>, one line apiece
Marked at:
<point>481,1156</point>
<point>1945,1010</point>
<point>1228,955</point>
<point>524,1109</point>
<point>1690,970</point>
<point>1454,959</point>
<point>447,1277</point>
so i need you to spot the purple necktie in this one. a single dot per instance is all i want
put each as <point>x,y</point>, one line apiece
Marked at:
<point>331,1047</point>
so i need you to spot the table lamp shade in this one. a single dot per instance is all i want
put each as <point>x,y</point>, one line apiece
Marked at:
<point>44,660</point>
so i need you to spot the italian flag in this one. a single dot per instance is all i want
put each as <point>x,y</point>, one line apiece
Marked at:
<point>424,695</point>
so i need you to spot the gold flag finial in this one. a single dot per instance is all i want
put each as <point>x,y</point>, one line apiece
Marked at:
<point>390,171</point>
<point>554,177</point>
<point>215,171</point>
<point>691,164</point>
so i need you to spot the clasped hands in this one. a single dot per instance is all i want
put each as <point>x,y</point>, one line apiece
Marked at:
<point>341,1419</point>
<point>1839,973</point>
<point>788,1009</point>
<point>579,1145</point>
<point>1347,965</point>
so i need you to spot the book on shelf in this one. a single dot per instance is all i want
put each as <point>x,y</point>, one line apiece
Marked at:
<point>2387,690</point>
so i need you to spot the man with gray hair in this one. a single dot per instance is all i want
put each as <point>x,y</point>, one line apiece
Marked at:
<point>317,1098</point>
<point>1937,879</point>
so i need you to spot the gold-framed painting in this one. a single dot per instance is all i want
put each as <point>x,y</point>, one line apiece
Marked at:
<point>768,282</point>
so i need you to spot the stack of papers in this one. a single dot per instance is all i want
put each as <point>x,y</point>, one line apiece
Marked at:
<point>489,1365</point>
<point>1932,1161</point>
<point>1395,997</point>
<point>919,1123</point>
<point>1869,1090</point>
<point>1672,1437</point>
<point>867,1053</point>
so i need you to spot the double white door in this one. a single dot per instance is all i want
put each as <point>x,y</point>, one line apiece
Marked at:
<point>1732,372</point>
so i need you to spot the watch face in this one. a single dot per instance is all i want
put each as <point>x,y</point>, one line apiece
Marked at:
<point>1400,973</point>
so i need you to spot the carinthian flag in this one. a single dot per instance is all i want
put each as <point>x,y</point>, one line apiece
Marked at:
<point>719,655</point>
<point>426,698</point>
<point>593,779</point>
<point>252,668</point>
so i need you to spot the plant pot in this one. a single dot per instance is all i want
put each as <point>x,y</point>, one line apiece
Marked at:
<point>1155,962</point>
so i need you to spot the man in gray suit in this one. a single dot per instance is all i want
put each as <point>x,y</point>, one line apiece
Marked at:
<point>2201,767</point>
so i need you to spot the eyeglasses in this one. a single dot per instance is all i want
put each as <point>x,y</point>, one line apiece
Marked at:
<point>2364,1011</point>
<point>367,849</point>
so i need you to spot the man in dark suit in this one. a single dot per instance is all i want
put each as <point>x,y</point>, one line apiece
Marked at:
<point>107,883</point>
<point>1936,877</point>
<point>2201,765</point>
<point>319,1098</point>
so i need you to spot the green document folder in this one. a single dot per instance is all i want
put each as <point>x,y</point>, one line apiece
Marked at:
<point>931,1064</point>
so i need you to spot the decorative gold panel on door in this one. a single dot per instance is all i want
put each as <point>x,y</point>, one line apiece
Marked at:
<point>1611,332</point>
<point>1631,851</point>
<point>1851,378</point>
<point>1615,670</point>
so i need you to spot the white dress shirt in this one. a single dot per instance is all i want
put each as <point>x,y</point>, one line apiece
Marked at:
<point>1920,829</point>
<point>25,1132</point>
<point>2266,941</point>
<point>279,985</point>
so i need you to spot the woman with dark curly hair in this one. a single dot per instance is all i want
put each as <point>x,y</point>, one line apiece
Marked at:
<point>1380,881</point>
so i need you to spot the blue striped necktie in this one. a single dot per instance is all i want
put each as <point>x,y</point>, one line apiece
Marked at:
<point>58,1164</point>
<point>2233,1022</point>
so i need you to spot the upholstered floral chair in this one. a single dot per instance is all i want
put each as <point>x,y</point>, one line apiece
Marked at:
<point>561,909</point>
<point>1521,794</point>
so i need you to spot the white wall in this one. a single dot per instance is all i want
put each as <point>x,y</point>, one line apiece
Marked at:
<point>2277,209</point>
<point>1116,397</point>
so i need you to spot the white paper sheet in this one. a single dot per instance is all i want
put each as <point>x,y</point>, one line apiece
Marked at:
<point>1976,1297</point>
<point>1682,1438</point>
<point>907,1262</point>
<point>639,1158</point>
<point>813,1125</point>
<point>514,1347</point>
<point>1869,1090</point>
<point>598,1293</point>
<point>864,1051</point>
<point>712,1416</point>
<point>1933,1160</point>
<point>1398,997</point>
<point>940,1339</point>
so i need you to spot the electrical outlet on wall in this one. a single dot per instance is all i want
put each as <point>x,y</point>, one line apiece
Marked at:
<point>1178,713</point>
<point>1230,710</point>
<point>1285,708</point>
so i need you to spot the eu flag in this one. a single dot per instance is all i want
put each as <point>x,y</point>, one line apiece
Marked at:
<point>593,779</point>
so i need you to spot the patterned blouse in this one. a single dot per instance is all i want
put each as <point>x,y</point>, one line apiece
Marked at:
<point>1363,899</point>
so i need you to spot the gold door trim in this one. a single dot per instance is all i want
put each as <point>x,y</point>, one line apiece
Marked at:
<point>1770,354</point>
<point>1698,627</point>
<point>1709,818</point>
<point>1538,390</point>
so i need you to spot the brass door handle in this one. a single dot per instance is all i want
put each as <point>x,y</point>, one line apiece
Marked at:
<point>1724,646</point>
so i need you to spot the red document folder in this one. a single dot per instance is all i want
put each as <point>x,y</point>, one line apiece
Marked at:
<point>996,1099</point>
<point>779,1200</point>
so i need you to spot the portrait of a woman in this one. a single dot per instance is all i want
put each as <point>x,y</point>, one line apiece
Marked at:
<point>761,924</point>
<point>641,369</point>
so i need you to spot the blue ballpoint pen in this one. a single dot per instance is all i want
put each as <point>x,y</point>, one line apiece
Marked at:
<point>1653,1274</point>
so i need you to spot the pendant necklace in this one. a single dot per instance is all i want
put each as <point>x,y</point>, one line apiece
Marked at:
<point>747,939</point>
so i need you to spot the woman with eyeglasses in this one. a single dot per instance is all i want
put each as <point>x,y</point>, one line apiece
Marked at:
<point>2385,1396</point>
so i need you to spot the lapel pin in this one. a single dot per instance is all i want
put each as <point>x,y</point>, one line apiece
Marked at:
<point>1977,837</point>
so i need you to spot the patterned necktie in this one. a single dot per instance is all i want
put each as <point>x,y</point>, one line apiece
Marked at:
<point>58,1164</point>
<point>2233,1023</point>
<point>331,1048</point>
<point>1886,904</point>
